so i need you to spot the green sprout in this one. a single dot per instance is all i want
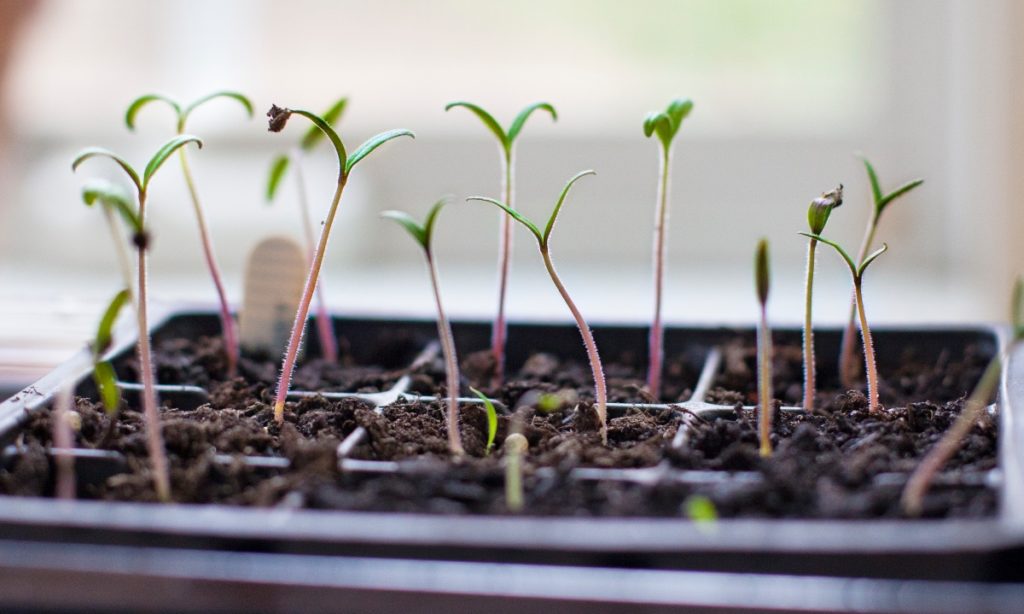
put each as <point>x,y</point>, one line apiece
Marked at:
<point>857,271</point>
<point>544,242</point>
<point>817,216</point>
<point>912,498</point>
<point>762,282</point>
<point>278,168</point>
<point>63,439</point>
<point>137,222</point>
<point>506,143</point>
<point>182,113</point>
<point>516,446</point>
<point>423,234</point>
<point>103,371</point>
<point>700,510</point>
<point>115,202</point>
<point>665,125</point>
<point>492,419</point>
<point>881,202</point>
<point>346,163</point>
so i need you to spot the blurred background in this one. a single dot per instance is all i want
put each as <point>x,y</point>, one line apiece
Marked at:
<point>786,92</point>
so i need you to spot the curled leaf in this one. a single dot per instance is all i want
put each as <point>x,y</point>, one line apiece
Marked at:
<point>314,135</point>
<point>373,143</point>
<point>165,152</point>
<point>410,224</point>
<point>871,258</point>
<point>558,206</point>
<point>520,120</point>
<point>112,196</point>
<point>492,418</point>
<point>277,170</point>
<point>104,332</point>
<point>93,152</point>
<point>137,104</point>
<point>488,120</point>
<point>517,216</point>
<point>240,98</point>
<point>279,117</point>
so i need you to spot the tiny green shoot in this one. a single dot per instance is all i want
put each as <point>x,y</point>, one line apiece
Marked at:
<point>516,446</point>
<point>506,144</point>
<point>544,243</point>
<point>880,203</point>
<point>817,216</point>
<point>912,498</point>
<point>857,271</point>
<point>492,419</point>
<point>103,371</point>
<point>700,510</point>
<point>762,282</point>
<point>278,168</point>
<point>137,221</point>
<point>346,163</point>
<point>182,113</point>
<point>665,125</point>
<point>423,234</point>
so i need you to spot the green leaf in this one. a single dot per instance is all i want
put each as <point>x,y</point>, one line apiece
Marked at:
<point>410,224</point>
<point>876,189</point>
<point>678,110</point>
<point>314,135</point>
<point>871,258</point>
<point>277,170</point>
<point>660,124</point>
<point>762,274</point>
<point>111,195</point>
<point>492,418</point>
<point>1017,309</point>
<point>700,509</point>
<point>558,206</point>
<point>373,143</point>
<point>105,377</point>
<point>520,120</point>
<point>141,101</point>
<point>242,100</point>
<point>104,332</point>
<point>839,250</point>
<point>900,191</point>
<point>332,135</point>
<point>165,152</point>
<point>93,152</point>
<point>519,217</point>
<point>488,120</point>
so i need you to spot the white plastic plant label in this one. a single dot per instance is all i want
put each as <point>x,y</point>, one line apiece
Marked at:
<point>274,277</point>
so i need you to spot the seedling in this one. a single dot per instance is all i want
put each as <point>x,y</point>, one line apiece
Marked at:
<point>857,271</point>
<point>137,223</point>
<point>701,510</point>
<point>817,216</point>
<point>492,419</point>
<point>912,499</point>
<point>665,125</point>
<point>423,234</point>
<point>544,242</point>
<point>346,163</point>
<point>762,281</point>
<point>103,372</point>
<point>278,168</point>
<point>881,202</point>
<point>114,202</point>
<point>506,145</point>
<point>63,440</point>
<point>182,113</point>
<point>516,446</point>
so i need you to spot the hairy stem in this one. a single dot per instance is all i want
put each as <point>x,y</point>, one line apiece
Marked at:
<point>764,394</point>
<point>869,350</point>
<point>500,328</point>
<point>444,332</point>
<point>912,498</point>
<point>288,365</point>
<point>657,335</point>
<point>150,413</point>
<point>601,392</point>
<point>64,441</point>
<point>226,320</point>
<point>848,348</point>
<point>324,324</point>
<point>809,366</point>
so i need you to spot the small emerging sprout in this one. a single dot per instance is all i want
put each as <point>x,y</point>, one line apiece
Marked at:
<point>857,271</point>
<point>506,144</point>
<point>137,222</point>
<point>817,216</point>
<point>278,168</point>
<point>64,441</point>
<point>346,163</point>
<point>423,234</point>
<point>544,243</point>
<point>880,202</point>
<point>103,372</point>
<point>762,282</point>
<point>700,510</point>
<point>516,446</point>
<point>182,113</point>
<point>912,499</point>
<point>492,419</point>
<point>665,125</point>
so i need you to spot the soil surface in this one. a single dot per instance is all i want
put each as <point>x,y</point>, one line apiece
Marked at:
<point>840,462</point>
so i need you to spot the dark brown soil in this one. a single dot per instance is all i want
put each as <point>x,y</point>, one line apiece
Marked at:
<point>842,462</point>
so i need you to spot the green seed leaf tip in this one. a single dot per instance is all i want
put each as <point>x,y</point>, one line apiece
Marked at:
<point>839,250</point>
<point>1017,309</point>
<point>278,118</point>
<point>104,332</point>
<point>678,110</point>
<point>137,104</point>
<point>517,216</point>
<point>487,119</point>
<point>821,208</point>
<point>700,509</point>
<point>410,224</point>
<point>898,192</point>
<point>520,120</point>
<point>561,199</point>
<point>373,143</point>
<point>113,196</point>
<point>314,135</point>
<point>428,224</point>
<point>876,189</point>
<point>237,97</point>
<point>762,276</point>
<point>165,152</point>
<point>92,152</point>
<point>277,170</point>
<point>871,258</point>
<point>492,418</point>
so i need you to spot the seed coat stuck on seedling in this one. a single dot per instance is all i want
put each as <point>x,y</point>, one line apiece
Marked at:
<point>817,216</point>
<point>762,283</point>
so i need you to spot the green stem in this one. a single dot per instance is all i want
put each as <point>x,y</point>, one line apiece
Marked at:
<point>601,393</point>
<point>288,365</point>
<point>764,360</point>
<point>809,363</point>
<point>912,498</point>
<point>500,328</point>
<point>657,335</point>
<point>444,332</point>
<point>869,350</point>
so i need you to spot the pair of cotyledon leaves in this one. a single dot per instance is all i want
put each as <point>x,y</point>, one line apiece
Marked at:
<point>667,123</point>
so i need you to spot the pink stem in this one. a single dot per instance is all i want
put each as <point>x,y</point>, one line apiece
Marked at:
<point>657,335</point>
<point>809,364</point>
<point>764,395</point>
<point>869,352</point>
<point>499,330</point>
<point>324,324</point>
<point>444,331</point>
